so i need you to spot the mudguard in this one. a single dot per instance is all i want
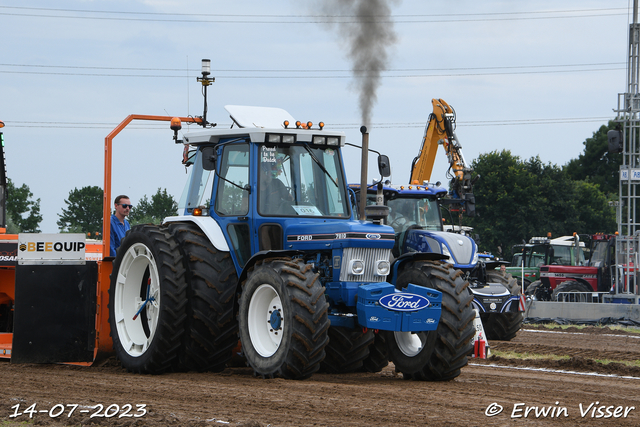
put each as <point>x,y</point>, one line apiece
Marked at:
<point>208,225</point>
<point>265,254</point>
<point>412,256</point>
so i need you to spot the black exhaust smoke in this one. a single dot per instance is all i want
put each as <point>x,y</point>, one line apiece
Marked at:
<point>367,26</point>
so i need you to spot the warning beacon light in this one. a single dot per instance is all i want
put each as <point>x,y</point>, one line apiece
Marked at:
<point>176,125</point>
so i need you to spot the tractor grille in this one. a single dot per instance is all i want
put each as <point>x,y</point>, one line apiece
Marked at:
<point>369,256</point>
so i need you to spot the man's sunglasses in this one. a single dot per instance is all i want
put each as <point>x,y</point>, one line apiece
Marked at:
<point>126,206</point>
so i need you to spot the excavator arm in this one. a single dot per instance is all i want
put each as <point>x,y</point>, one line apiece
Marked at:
<point>440,130</point>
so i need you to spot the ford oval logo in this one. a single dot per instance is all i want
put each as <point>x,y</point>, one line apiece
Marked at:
<point>403,301</point>
<point>373,236</point>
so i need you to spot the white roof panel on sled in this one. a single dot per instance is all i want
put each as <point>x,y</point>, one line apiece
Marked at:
<point>259,117</point>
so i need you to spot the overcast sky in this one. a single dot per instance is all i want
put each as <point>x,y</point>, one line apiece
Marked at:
<point>536,78</point>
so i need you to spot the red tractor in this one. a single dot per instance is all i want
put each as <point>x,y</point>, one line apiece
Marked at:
<point>597,275</point>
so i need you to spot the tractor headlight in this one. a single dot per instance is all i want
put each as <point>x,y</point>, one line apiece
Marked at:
<point>475,258</point>
<point>356,267</point>
<point>445,252</point>
<point>278,138</point>
<point>273,138</point>
<point>382,268</point>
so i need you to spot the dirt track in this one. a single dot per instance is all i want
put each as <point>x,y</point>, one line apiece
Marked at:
<point>235,398</point>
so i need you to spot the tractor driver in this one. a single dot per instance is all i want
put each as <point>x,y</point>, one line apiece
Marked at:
<point>429,215</point>
<point>119,223</point>
<point>274,196</point>
<point>402,209</point>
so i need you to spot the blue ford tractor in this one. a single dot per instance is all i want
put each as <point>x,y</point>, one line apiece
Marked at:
<point>415,216</point>
<point>267,249</point>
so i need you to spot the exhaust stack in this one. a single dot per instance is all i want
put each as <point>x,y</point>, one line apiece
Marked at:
<point>363,171</point>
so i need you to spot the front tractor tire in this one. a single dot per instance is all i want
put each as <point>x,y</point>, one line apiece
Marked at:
<point>436,355</point>
<point>147,300</point>
<point>538,291</point>
<point>283,319</point>
<point>503,326</point>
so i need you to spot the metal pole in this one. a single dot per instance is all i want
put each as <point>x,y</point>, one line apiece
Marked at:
<point>522,259</point>
<point>108,148</point>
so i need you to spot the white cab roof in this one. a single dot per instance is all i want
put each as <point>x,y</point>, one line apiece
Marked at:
<point>259,117</point>
<point>256,122</point>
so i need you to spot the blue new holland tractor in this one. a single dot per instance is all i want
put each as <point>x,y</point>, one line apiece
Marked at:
<point>266,249</point>
<point>416,217</point>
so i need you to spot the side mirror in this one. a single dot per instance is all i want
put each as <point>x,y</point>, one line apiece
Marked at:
<point>384,167</point>
<point>376,213</point>
<point>209,158</point>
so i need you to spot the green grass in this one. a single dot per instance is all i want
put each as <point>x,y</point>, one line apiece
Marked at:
<point>534,356</point>
<point>635,363</point>
<point>527,355</point>
<point>631,329</point>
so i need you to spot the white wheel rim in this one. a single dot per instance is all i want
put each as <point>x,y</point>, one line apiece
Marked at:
<point>127,300</point>
<point>265,320</point>
<point>409,343</point>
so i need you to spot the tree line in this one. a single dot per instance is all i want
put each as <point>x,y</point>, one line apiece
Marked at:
<point>516,199</point>
<point>83,211</point>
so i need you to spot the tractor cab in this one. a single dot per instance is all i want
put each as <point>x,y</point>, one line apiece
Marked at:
<point>258,191</point>
<point>264,188</point>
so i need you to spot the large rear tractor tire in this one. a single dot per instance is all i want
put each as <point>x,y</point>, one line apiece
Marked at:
<point>436,355</point>
<point>147,300</point>
<point>283,319</point>
<point>503,326</point>
<point>347,349</point>
<point>507,280</point>
<point>211,327</point>
<point>569,286</point>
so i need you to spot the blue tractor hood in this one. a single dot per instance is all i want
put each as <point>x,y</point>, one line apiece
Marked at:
<point>305,235</point>
<point>462,250</point>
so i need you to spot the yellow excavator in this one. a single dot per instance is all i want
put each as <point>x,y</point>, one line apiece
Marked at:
<point>440,130</point>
